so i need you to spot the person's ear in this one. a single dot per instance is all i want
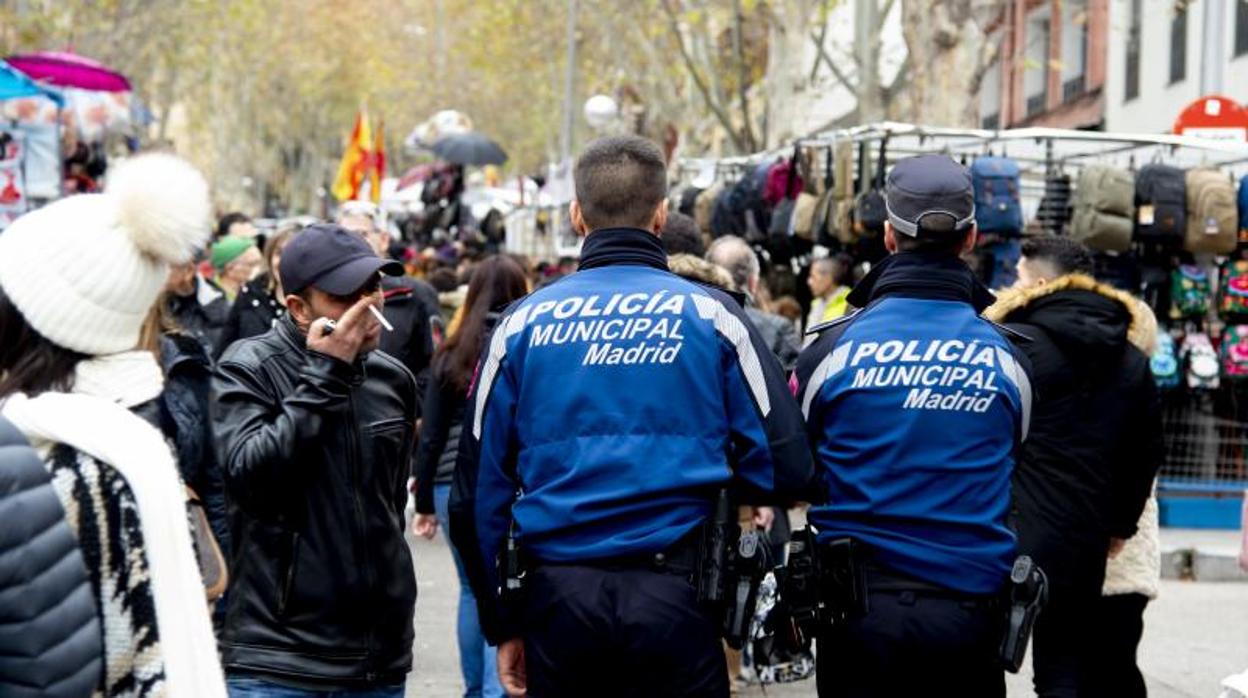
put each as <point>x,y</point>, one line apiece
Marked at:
<point>299,309</point>
<point>971,237</point>
<point>578,219</point>
<point>659,222</point>
<point>890,238</point>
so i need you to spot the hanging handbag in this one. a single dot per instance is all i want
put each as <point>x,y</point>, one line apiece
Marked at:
<point>211,562</point>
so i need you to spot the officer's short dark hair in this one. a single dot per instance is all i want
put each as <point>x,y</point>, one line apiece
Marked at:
<point>620,182</point>
<point>1065,255</point>
<point>937,233</point>
<point>681,236</point>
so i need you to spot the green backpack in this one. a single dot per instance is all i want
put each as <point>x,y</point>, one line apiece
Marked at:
<point>1233,291</point>
<point>1189,292</point>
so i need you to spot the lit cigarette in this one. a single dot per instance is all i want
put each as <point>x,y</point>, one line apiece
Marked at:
<point>381,318</point>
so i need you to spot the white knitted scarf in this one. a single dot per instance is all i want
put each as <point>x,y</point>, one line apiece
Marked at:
<point>94,419</point>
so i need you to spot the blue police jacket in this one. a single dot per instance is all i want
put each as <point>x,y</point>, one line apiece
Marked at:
<point>608,408</point>
<point>915,407</point>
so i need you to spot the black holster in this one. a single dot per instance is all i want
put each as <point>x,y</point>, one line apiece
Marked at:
<point>731,567</point>
<point>511,570</point>
<point>1025,594</point>
<point>822,584</point>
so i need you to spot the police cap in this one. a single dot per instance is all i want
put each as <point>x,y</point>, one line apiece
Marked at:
<point>925,185</point>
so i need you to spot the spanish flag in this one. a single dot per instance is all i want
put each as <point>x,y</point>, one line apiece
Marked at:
<point>355,160</point>
<point>377,163</point>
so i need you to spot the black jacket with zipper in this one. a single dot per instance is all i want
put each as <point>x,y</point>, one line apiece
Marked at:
<point>442,421</point>
<point>316,458</point>
<point>408,310</point>
<point>1095,446</point>
<point>255,311</point>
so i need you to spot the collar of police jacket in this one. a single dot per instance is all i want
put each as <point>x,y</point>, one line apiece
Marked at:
<point>922,275</point>
<point>611,246</point>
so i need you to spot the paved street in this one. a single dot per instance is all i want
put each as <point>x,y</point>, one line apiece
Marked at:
<point>1196,634</point>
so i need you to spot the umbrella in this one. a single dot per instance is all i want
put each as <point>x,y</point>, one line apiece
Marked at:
<point>15,85</point>
<point>70,70</point>
<point>469,149</point>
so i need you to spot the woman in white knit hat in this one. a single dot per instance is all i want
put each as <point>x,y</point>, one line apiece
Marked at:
<point>77,279</point>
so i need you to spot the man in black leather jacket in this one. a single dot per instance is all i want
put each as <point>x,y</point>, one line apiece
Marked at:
<point>314,429</point>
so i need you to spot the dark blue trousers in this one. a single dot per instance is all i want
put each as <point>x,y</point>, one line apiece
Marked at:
<point>619,632</point>
<point>911,644</point>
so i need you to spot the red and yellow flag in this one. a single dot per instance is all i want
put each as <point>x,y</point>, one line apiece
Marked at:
<point>355,160</point>
<point>377,163</point>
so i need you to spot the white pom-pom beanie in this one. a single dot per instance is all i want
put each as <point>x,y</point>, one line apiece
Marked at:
<point>84,271</point>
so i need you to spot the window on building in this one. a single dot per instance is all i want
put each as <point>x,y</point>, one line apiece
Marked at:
<point>1241,27</point>
<point>1074,49</point>
<point>1178,42</point>
<point>1036,76</point>
<point>1132,88</point>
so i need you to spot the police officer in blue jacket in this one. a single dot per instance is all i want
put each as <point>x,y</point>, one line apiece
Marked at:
<point>915,407</point>
<point>609,408</point>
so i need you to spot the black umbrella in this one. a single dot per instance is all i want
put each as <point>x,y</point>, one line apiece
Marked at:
<point>469,149</point>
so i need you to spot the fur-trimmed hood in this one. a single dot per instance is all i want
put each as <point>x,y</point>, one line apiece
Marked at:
<point>1089,316</point>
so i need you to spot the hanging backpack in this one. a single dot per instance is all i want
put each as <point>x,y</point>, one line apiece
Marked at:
<point>871,211</point>
<point>804,215</point>
<point>1243,209</point>
<point>1165,363</point>
<point>997,205</point>
<point>1189,292</point>
<point>1104,209</point>
<point>1233,292</point>
<point>1161,205</point>
<point>1203,370</point>
<point>1054,211</point>
<point>1212,213</point>
<point>1234,352</point>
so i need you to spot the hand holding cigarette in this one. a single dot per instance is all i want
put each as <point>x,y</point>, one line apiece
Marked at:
<point>344,338</point>
<point>381,318</point>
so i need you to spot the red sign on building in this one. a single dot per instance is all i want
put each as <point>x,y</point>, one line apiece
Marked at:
<point>1214,117</point>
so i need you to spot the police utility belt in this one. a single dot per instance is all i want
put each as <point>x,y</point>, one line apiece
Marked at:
<point>824,584</point>
<point>725,564</point>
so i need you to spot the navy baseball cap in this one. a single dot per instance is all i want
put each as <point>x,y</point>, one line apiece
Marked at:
<point>333,259</point>
<point>924,185</point>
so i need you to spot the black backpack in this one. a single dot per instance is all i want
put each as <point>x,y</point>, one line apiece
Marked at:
<point>1161,205</point>
<point>871,212</point>
<point>1054,212</point>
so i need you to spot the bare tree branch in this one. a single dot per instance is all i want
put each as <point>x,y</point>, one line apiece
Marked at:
<point>836,72</point>
<point>743,85</point>
<point>900,82</point>
<point>823,35</point>
<point>673,23</point>
<point>883,16</point>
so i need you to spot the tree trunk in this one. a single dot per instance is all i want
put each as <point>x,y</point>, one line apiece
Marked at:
<point>949,53</point>
<point>788,94</point>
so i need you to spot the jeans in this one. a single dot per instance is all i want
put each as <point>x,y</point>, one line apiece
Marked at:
<point>478,662</point>
<point>257,688</point>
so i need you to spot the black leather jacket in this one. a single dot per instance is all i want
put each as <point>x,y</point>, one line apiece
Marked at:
<point>316,454</point>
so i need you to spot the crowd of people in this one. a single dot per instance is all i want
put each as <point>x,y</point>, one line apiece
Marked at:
<point>192,413</point>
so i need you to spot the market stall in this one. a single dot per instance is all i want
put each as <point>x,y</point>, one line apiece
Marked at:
<point>1167,217</point>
